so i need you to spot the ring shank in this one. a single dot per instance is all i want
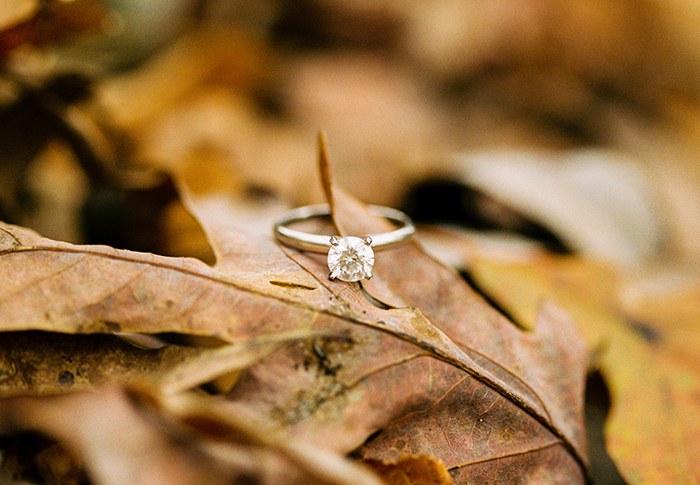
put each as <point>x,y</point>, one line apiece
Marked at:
<point>320,243</point>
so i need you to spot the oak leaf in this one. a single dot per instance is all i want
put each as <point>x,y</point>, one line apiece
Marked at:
<point>414,363</point>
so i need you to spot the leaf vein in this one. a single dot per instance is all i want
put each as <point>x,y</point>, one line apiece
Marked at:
<point>508,455</point>
<point>38,281</point>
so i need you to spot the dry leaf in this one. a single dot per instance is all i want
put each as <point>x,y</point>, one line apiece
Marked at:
<point>410,370</point>
<point>110,434</point>
<point>448,377</point>
<point>413,470</point>
<point>601,204</point>
<point>186,441</point>
<point>652,432</point>
<point>341,390</point>
<point>46,363</point>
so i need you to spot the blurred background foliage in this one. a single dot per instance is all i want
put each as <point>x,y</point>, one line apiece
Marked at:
<point>568,125</point>
<point>573,123</point>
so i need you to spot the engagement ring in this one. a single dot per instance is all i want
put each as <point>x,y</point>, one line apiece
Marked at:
<point>350,258</point>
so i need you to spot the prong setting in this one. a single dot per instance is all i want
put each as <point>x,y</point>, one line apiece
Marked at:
<point>350,259</point>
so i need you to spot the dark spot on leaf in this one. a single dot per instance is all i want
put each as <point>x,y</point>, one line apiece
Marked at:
<point>66,377</point>
<point>169,303</point>
<point>112,327</point>
<point>6,235</point>
<point>291,285</point>
<point>246,479</point>
<point>647,332</point>
<point>259,193</point>
<point>324,361</point>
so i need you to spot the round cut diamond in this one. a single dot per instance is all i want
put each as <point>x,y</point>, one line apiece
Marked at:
<point>350,258</point>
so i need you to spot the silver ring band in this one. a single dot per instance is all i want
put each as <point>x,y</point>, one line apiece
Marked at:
<point>321,243</point>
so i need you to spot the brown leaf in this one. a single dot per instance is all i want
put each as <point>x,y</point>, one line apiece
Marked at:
<point>110,434</point>
<point>186,440</point>
<point>488,338</point>
<point>448,377</point>
<point>46,362</point>
<point>214,421</point>
<point>211,364</point>
<point>368,380</point>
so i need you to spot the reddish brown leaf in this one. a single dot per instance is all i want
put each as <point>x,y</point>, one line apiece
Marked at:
<point>518,394</point>
<point>448,376</point>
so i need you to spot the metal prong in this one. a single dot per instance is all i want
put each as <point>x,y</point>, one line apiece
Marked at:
<point>332,275</point>
<point>334,240</point>
<point>368,240</point>
<point>369,276</point>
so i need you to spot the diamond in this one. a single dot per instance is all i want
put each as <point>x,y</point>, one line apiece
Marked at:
<point>350,258</point>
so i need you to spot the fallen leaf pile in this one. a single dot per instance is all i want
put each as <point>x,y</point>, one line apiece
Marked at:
<point>541,326</point>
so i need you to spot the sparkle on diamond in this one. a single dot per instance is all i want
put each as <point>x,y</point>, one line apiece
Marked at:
<point>350,259</point>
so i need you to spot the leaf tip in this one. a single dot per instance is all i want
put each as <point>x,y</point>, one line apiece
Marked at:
<point>324,166</point>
